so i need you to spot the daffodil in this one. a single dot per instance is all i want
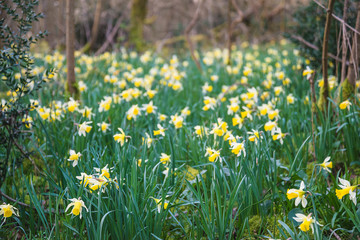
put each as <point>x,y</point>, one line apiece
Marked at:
<point>238,148</point>
<point>307,222</point>
<point>213,155</point>
<point>232,108</point>
<point>121,137</point>
<point>246,113</point>
<point>77,205</point>
<point>201,131</point>
<point>160,204</point>
<point>346,188</point>
<point>105,104</point>
<point>326,164</point>
<point>299,194</point>
<point>162,117</point>
<point>148,140</point>
<point>133,112</point>
<point>103,126</point>
<point>160,131</point>
<point>237,121</point>
<point>254,136</point>
<point>85,179</point>
<point>72,105</point>
<point>165,159</point>
<point>270,126</point>
<point>278,135</point>
<point>149,108</point>
<point>104,172</point>
<point>219,128</point>
<point>307,72</point>
<point>74,157</point>
<point>185,112</point>
<point>7,210</point>
<point>345,104</point>
<point>290,99</point>
<point>177,121</point>
<point>84,128</point>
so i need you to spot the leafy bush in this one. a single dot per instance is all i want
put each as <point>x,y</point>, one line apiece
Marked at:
<point>16,72</point>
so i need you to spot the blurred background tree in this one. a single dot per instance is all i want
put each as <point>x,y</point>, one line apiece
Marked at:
<point>107,25</point>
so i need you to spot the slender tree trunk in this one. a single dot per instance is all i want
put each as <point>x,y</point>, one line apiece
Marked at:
<point>70,38</point>
<point>344,45</point>
<point>323,101</point>
<point>354,64</point>
<point>95,28</point>
<point>229,32</point>
<point>137,19</point>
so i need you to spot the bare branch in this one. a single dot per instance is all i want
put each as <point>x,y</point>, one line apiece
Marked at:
<point>187,34</point>
<point>337,18</point>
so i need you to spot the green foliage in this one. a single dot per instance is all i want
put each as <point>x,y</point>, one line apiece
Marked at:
<point>237,197</point>
<point>309,23</point>
<point>16,66</point>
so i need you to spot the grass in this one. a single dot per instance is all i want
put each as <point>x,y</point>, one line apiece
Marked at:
<point>237,196</point>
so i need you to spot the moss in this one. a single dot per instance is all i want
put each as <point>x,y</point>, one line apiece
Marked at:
<point>322,101</point>
<point>346,90</point>
<point>137,19</point>
<point>262,226</point>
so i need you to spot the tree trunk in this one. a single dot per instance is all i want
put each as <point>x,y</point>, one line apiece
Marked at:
<point>70,38</point>
<point>354,64</point>
<point>344,45</point>
<point>323,101</point>
<point>95,28</point>
<point>137,19</point>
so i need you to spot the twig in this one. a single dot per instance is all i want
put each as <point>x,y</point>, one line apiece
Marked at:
<point>344,48</point>
<point>337,18</point>
<point>325,52</point>
<point>24,204</point>
<point>16,201</point>
<point>187,32</point>
<point>26,155</point>
<point>109,38</point>
<point>310,45</point>
<point>335,234</point>
<point>313,111</point>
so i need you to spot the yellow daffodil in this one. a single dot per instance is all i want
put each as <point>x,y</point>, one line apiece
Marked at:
<point>148,140</point>
<point>165,159</point>
<point>160,204</point>
<point>238,148</point>
<point>105,104</point>
<point>307,222</point>
<point>74,157</point>
<point>85,179</point>
<point>149,108</point>
<point>307,72</point>
<point>133,112</point>
<point>121,137</point>
<point>72,105</point>
<point>201,131</point>
<point>214,155</point>
<point>346,188</point>
<point>177,121</point>
<point>326,165</point>
<point>299,194</point>
<point>7,210</point>
<point>160,131</point>
<point>103,126</point>
<point>84,128</point>
<point>254,136</point>
<point>345,104</point>
<point>77,205</point>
